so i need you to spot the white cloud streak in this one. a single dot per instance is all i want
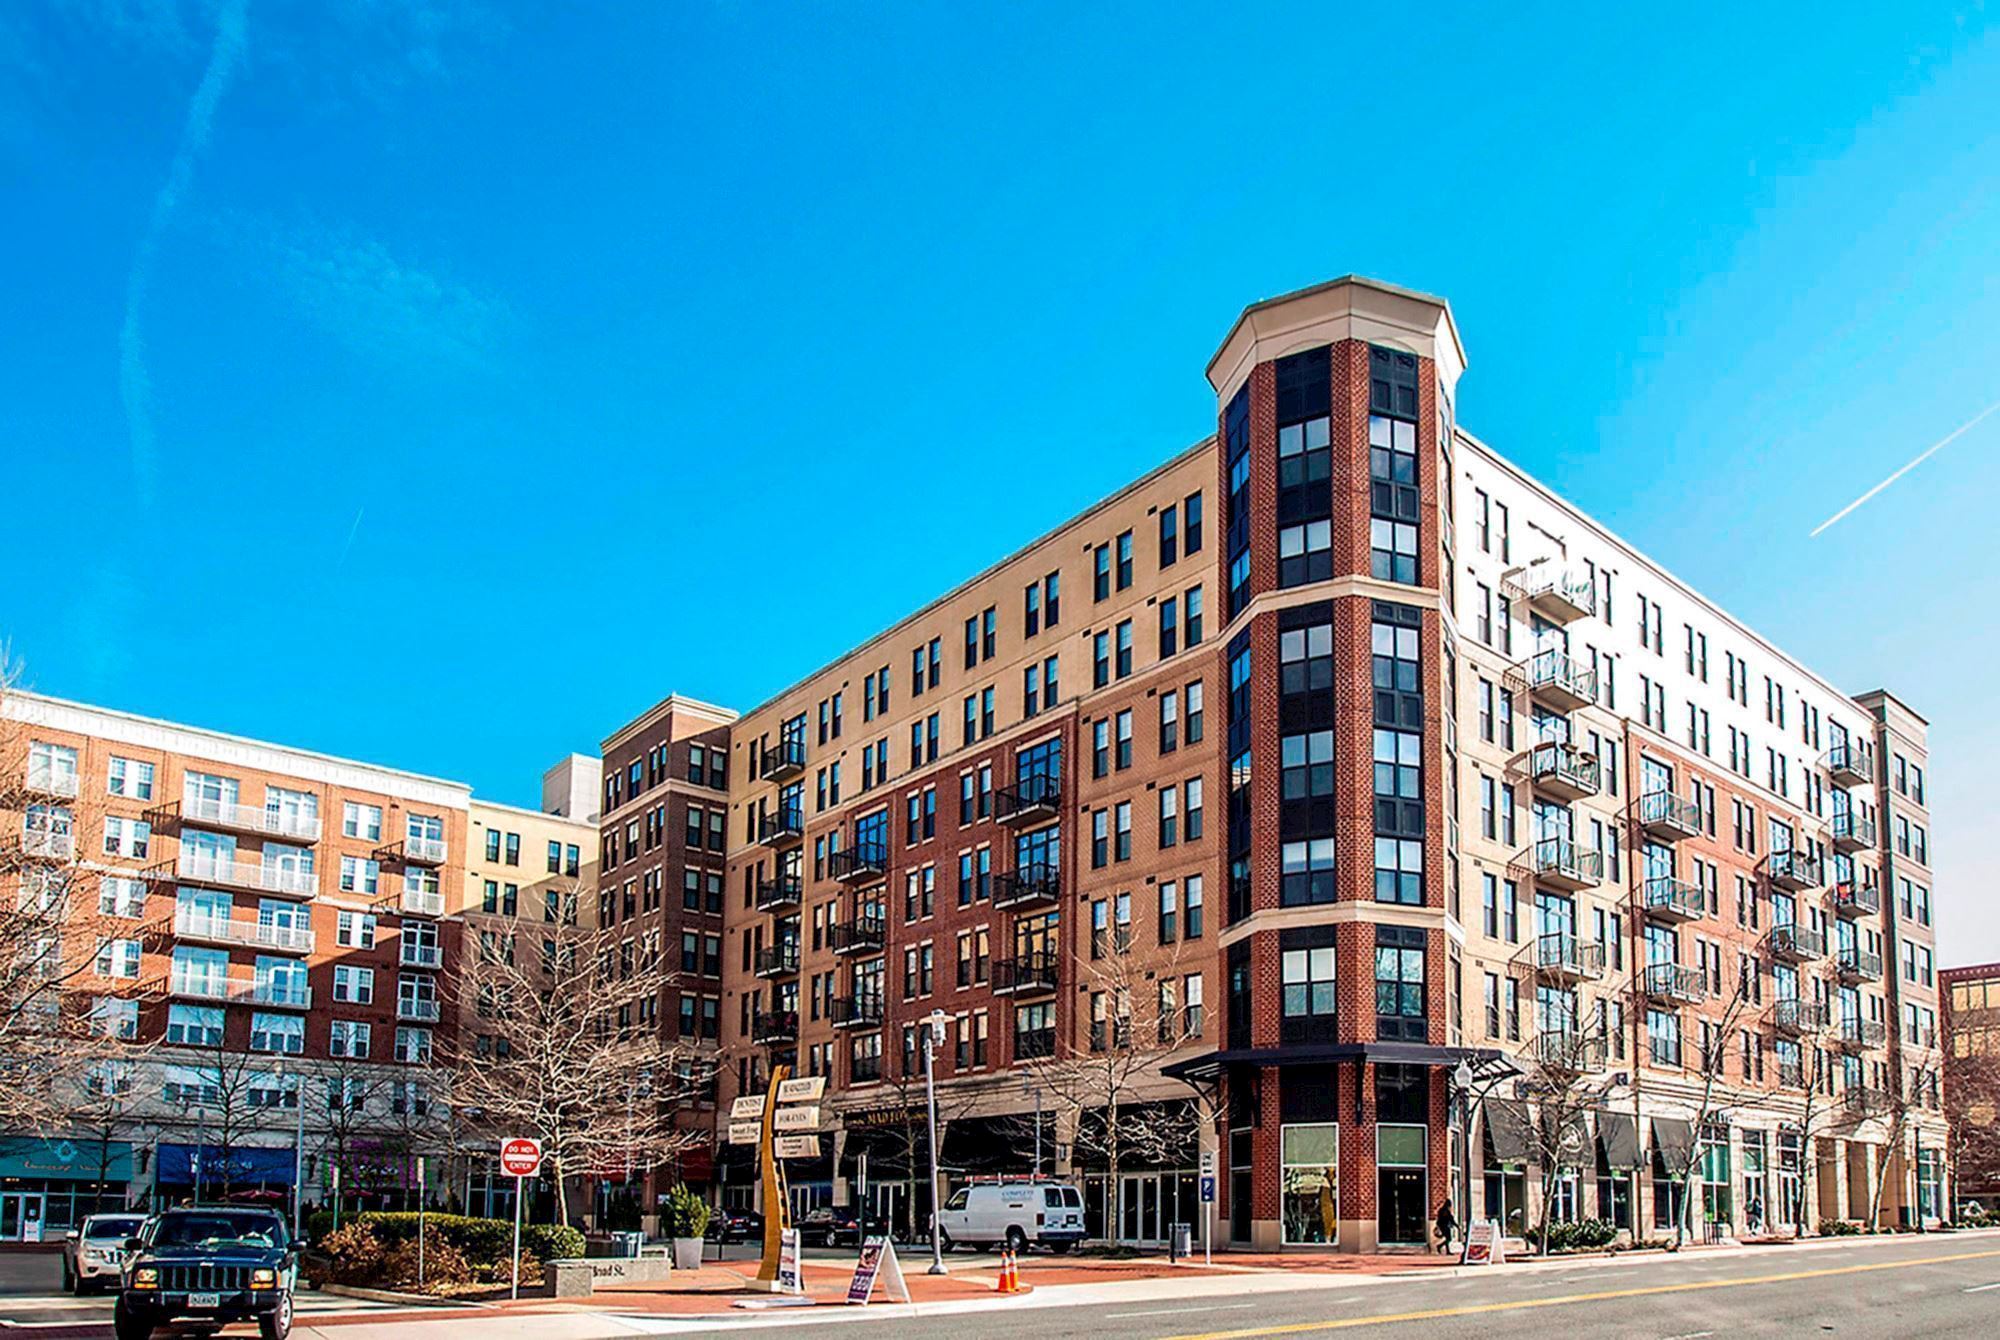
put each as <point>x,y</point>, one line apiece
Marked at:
<point>1922,456</point>
<point>135,385</point>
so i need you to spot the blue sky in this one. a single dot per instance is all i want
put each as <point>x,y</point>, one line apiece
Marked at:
<point>349,347</point>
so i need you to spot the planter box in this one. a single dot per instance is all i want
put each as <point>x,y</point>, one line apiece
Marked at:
<point>687,1253</point>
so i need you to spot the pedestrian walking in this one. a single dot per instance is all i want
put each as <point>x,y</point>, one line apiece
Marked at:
<point>1754,1215</point>
<point>1446,1223</point>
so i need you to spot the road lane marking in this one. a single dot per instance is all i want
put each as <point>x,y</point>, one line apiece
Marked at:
<point>1982,1288</point>
<point>1475,1309</point>
<point>1172,1311</point>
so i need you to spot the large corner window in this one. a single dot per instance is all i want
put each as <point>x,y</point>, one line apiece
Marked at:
<point>1394,506</point>
<point>1236,436</point>
<point>1399,984</point>
<point>1309,1186</point>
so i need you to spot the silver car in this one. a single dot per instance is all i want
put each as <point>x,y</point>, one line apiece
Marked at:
<point>94,1254</point>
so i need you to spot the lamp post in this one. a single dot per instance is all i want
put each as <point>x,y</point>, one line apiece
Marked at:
<point>298,1139</point>
<point>932,1034</point>
<point>1461,1079</point>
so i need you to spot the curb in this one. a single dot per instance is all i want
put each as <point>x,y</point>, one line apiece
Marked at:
<point>401,1299</point>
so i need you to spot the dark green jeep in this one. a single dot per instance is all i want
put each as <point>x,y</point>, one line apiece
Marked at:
<point>206,1268</point>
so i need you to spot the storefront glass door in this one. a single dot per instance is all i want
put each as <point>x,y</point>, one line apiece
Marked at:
<point>21,1216</point>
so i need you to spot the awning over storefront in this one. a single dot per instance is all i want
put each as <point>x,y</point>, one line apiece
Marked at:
<point>1673,1142</point>
<point>1618,1137</point>
<point>77,1160</point>
<point>243,1166</point>
<point>1507,1131</point>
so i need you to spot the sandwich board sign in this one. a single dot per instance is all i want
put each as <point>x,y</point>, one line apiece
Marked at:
<point>877,1261</point>
<point>791,1279</point>
<point>1484,1245</point>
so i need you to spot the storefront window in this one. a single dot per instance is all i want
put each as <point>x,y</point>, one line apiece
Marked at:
<point>1310,1182</point>
<point>1717,1201</point>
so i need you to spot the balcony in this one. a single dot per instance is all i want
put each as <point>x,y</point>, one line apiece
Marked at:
<point>413,851</point>
<point>1794,870</point>
<point>420,956</point>
<point>416,1010</point>
<point>778,960</point>
<point>1669,817</point>
<point>783,828</point>
<point>1792,943</point>
<point>782,894</point>
<point>1854,1034</point>
<point>1852,898</point>
<point>777,1029</point>
<point>1799,1018</point>
<point>48,844</point>
<point>1029,887</point>
<point>1559,594</point>
<point>855,1011</point>
<point>783,761</point>
<point>1035,1045</point>
<point>858,865</point>
<point>1853,831</point>
<point>1026,974</point>
<point>1668,899</point>
<point>1856,964</point>
<point>421,902</point>
<point>1567,958</point>
<point>1033,799</point>
<point>247,934</point>
<point>239,991</point>
<point>1850,764</point>
<point>1569,1050</point>
<point>263,821</point>
<point>196,867</point>
<point>1557,681</point>
<point>1561,864</point>
<point>861,936</point>
<point>1673,984</point>
<point>1864,1101</point>
<point>52,782</point>
<point>1562,770</point>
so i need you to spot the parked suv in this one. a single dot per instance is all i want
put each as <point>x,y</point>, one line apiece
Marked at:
<point>210,1266</point>
<point>94,1252</point>
<point>1013,1214</point>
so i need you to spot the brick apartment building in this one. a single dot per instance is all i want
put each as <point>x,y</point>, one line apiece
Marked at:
<point>1332,755</point>
<point>277,928</point>
<point>1970,999</point>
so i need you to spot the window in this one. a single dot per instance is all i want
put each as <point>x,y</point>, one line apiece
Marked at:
<point>1170,627</point>
<point>1170,535</point>
<point>1306,765</point>
<point>282,1033</point>
<point>118,958</point>
<point>1124,642</point>
<point>130,778</point>
<point>355,930</point>
<point>1399,984</point>
<point>121,896</point>
<point>1192,904</point>
<point>352,985</point>
<point>194,1025</point>
<point>361,821</point>
<point>1307,988</point>
<point>1309,1182</point>
<point>1306,872</point>
<point>1305,553</point>
<point>1100,559</point>
<point>130,838</point>
<point>1169,816</point>
<point>1125,560</point>
<point>1170,714</point>
<point>1191,523</point>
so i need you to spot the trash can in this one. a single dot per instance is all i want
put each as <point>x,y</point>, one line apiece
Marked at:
<point>627,1244</point>
<point>1181,1242</point>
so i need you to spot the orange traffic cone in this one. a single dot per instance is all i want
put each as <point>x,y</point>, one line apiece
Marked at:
<point>1010,1274</point>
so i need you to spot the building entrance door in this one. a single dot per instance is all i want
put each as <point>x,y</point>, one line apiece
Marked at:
<point>1402,1215</point>
<point>21,1216</point>
<point>1139,1209</point>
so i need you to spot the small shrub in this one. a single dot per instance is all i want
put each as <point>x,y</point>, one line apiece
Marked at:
<point>686,1214</point>
<point>1581,1235</point>
<point>1839,1228</point>
<point>444,1266</point>
<point>354,1255</point>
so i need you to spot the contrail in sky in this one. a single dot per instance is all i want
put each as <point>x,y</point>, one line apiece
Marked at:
<point>135,387</point>
<point>352,530</point>
<point>1922,456</point>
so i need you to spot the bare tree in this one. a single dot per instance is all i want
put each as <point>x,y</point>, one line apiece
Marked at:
<point>1567,1082</point>
<point>1714,1100</point>
<point>1111,1083</point>
<point>1905,1101</point>
<point>560,1045</point>
<point>1814,1073</point>
<point>1972,1104</point>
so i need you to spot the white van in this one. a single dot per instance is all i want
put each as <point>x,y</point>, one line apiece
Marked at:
<point>1013,1215</point>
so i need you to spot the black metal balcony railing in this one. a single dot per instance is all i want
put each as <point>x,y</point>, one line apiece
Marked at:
<point>1561,1049</point>
<point>1559,955</point>
<point>863,1011</point>
<point>1026,973</point>
<point>1850,763</point>
<point>778,960</point>
<point>1852,898</point>
<point>1793,869</point>
<point>1852,1032</point>
<point>1673,982</point>
<point>783,760</point>
<point>1859,964</point>
<point>1034,798</point>
<point>1795,943</point>
<point>1669,817</point>
<point>1034,1045</point>
<point>1853,831</point>
<point>1801,1017</point>
<point>780,894</point>
<point>1560,862</point>
<point>863,935</point>
<point>1565,771</point>
<point>781,827</point>
<point>1030,886</point>
<point>858,865</point>
<point>1669,899</point>
<point>774,1028</point>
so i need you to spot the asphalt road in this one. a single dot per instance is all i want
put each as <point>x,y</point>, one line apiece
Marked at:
<point>1930,1288</point>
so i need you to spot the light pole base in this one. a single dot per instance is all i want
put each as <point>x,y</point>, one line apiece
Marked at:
<point>937,1268</point>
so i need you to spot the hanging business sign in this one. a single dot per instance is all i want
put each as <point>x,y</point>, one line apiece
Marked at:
<point>750,1107</point>
<point>797,1146</point>
<point>746,1132</point>
<point>807,1090</point>
<point>795,1119</point>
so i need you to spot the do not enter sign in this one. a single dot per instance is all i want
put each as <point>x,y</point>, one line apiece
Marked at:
<point>520,1157</point>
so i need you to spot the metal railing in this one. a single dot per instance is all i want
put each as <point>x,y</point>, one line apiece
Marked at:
<point>262,820</point>
<point>1668,897</point>
<point>197,867</point>
<point>1561,859</point>
<point>1569,956</point>
<point>1035,796</point>
<point>53,782</point>
<point>1026,886</point>
<point>251,934</point>
<point>1789,940</point>
<point>1553,672</point>
<point>1558,764</point>
<point>1664,814</point>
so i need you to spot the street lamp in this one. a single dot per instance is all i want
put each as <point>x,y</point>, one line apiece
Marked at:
<point>1461,1080</point>
<point>298,1140</point>
<point>933,1034</point>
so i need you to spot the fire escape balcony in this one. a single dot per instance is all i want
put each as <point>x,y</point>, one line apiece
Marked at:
<point>54,782</point>
<point>1669,817</point>
<point>1673,983</point>
<point>1029,887</point>
<point>861,936</point>
<point>1799,1018</point>
<point>1793,870</point>
<point>1560,863</point>
<point>1560,769</point>
<point>779,1028</point>
<point>778,960</point>
<point>223,930</point>
<point>1856,964</point>
<point>1559,594</point>
<point>1570,1049</point>
<point>1850,764</point>
<point>780,894</point>
<point>856,1011</point>
<point>1853,831</point>
<point>1566,958</point>
<point>1853,1034</point>
<point>196,867</point>
<point>1033,799</point>
<point>782,828</point>
<point>1852,898</point>
<point>1790,942</point>
<point>412,851</point>
<point>263,821</point>
<point>1668,899</point>
<point>1554,679</point>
